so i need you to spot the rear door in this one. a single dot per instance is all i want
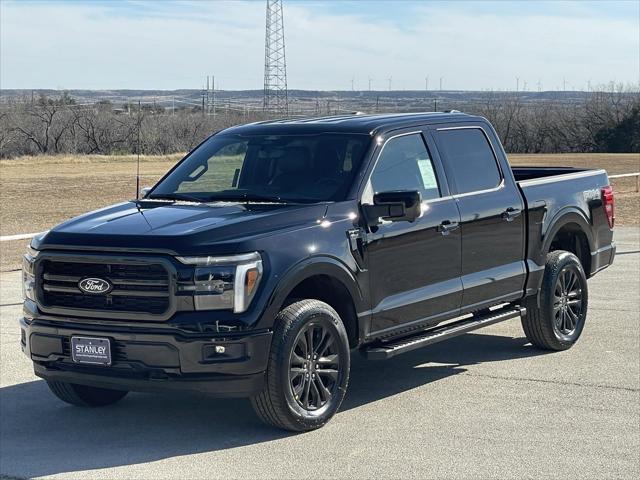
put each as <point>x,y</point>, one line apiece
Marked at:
<point>491,211</point>
<point>414,267</point>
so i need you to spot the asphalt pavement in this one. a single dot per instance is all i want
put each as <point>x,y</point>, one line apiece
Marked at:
<point>483,405</point>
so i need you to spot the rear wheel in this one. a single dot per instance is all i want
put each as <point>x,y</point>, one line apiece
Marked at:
<point>556,320</point>
<point>85,396</point>
<point>308,369</point>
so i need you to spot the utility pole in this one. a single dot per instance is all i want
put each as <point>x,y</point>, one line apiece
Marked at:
<point>275,64</point>
<point>139,122</point>
<point>352,82</point>
<point>213,95</point>
<point>426,85</point>
<point>370,83</point>
<point>441,83</point>
<point>517,84</point>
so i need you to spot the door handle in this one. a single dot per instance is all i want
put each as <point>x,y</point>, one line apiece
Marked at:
<point>511,213</point>
<point>447,227</point>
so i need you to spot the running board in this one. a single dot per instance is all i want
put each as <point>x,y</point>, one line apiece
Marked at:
<point>382,351</point>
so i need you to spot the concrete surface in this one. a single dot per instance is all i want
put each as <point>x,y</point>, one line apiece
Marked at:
<point>485,405</point>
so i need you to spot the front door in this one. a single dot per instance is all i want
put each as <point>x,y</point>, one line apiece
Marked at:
<point>414,267</point>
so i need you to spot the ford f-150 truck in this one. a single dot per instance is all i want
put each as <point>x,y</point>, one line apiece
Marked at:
<point>263,259</point>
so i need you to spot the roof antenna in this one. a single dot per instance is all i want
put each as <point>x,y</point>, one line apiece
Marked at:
<point>138,157</point>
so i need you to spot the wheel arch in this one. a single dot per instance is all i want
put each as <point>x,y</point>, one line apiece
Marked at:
<point>570,230</point>
<point>323,278</point>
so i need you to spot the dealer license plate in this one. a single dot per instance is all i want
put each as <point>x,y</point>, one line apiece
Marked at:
<point>91,350</point>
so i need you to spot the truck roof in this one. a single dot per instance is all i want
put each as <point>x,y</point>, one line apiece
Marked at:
<point>370,124</point>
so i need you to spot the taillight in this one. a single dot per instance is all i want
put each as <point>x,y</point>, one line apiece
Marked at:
<point>608,202</point>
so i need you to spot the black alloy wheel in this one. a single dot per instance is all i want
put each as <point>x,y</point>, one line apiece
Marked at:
<point>314,367</point>
<point>567,301</point>
<point>308,370</point>
<point>555,318</point>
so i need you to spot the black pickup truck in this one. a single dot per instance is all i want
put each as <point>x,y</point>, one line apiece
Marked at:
<point>258,263</point>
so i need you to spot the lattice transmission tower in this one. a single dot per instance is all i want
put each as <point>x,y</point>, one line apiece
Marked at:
<point>275,64</point>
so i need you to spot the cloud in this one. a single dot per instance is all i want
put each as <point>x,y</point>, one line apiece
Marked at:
<point>169,45</point>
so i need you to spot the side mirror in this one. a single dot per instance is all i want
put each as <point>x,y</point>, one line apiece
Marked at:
<point>394,206</point>
<point>144,191</point>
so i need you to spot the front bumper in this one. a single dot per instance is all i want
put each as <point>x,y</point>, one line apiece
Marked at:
<point>145,359</point>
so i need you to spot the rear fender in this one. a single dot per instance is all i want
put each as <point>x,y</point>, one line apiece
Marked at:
<point>536,264</point>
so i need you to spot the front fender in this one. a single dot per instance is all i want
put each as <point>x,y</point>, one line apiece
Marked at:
<point>307,268</point>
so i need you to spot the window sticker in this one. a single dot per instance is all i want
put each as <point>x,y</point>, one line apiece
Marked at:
<point>427,173</point>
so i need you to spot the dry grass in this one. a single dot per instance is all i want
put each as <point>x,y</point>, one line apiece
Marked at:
<point>85,159</point>
<point>612,162</point>
<point>39,192</point>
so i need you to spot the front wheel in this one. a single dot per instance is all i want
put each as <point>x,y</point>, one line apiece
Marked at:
<point>308,369</point>
<point>556,320</point>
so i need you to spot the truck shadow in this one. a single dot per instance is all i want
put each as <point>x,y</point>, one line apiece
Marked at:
<point>374,380</point>
<point>42,436</point>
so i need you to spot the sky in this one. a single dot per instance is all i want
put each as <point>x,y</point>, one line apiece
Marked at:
<point>330,45</point>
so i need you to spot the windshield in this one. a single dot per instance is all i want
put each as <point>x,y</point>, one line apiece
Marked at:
<point>264,168</point>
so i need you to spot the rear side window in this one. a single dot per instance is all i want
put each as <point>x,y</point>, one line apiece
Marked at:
<point>470,158</point>
<point>405,164</point>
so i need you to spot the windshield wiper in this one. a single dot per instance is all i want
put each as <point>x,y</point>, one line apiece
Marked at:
<point>174,196</point>
<point>249,197</point>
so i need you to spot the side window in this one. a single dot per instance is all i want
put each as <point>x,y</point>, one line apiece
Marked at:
<point>220,172</point>
<point>470,158</point>
<point>405,164</point>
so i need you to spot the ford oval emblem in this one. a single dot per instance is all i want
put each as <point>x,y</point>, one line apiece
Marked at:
<point>96,286</point>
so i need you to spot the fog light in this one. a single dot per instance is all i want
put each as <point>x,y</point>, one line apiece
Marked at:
<point>231,352</point>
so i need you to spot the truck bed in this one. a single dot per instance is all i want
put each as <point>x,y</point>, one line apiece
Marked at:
<point>550,192</point>
<point>531,173</point>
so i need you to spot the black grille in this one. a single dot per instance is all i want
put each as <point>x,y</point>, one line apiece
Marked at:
<point>137,288</point>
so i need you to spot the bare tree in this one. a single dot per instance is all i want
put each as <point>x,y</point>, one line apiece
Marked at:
<point>607,120</point>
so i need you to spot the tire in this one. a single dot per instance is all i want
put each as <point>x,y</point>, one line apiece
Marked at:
<point>555,319</point>
<point>85,396</point>
<point>293,398</point>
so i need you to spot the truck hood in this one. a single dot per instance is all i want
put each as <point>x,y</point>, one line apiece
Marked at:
<point>179,227</point>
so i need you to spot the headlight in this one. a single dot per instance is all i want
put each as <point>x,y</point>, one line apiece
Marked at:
<point>228,282</point>
<point>28,274</point>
